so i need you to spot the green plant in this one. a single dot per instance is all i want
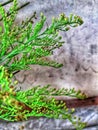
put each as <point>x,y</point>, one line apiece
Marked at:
<point>33,43</point>
<point>39,101</point>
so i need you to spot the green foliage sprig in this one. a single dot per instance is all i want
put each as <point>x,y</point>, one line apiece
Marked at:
<point>31,41</point>
<point>34,43</point>
<point>19,105</point>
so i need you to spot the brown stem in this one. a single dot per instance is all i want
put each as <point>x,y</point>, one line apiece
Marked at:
<point>25,107</point>
<point>75,103</point>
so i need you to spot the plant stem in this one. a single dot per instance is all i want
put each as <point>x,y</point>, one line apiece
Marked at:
<point>22,6</point>
<point>5,3</point>
<point>16,72</point>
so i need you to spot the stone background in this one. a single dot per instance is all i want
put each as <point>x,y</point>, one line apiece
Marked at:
<point>79,53</point>
<point>79,56</point>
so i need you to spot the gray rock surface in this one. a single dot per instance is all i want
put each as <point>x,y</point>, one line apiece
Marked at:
<point>79,53</point>
<point>79,56</point>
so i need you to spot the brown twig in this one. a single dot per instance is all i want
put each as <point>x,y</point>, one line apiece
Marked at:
<point>76,103</point>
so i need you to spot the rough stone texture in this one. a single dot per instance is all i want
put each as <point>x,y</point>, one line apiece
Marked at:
<point>79,53</point>
<point>79,56</point>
